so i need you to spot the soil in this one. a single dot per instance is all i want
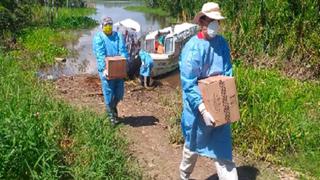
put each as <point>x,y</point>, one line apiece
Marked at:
<point>144,124</point>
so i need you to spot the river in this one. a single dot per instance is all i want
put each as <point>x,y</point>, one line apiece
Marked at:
<point>83,61</point>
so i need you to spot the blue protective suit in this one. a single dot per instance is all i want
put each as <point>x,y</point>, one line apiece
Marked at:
<point>199,59</point>
<point>146,63</point>
<point>103,46</point>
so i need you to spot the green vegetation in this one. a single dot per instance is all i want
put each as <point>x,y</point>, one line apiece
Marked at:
<point>42,137</point>
<point>279,118</point>
<point>29,137</point>
<point>173,102</point>
<point>45,42</point>
<point>15,16</point>
<point>70,18</point>
<point>273,33</point>
<point>74,18</point>
<point>183,10</point>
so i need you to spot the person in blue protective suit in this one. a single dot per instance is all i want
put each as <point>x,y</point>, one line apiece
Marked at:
<point>206,54</point>
<point>109,43</point>
<point>146,69</point>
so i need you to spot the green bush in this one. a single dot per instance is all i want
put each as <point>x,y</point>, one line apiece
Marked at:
<point>42,45</point>
<point>276,33</point>
<point>74,23</point>
<point>279,116</point>
<point>14,16</point>
<point>74,18</point>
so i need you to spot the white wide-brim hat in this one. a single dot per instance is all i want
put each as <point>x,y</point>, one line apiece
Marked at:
<point>211,10</point>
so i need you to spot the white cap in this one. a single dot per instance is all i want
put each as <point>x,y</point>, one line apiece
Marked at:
<point>211,10</point>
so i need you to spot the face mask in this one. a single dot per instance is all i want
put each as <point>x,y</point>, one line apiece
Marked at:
<point>107,29</point>
<point>213,28</point>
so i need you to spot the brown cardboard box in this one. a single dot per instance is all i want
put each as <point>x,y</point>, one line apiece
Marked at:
<point>220,97</point>
<point>116,67</point>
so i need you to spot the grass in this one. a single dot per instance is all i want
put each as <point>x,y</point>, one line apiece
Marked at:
<point>29,123</point>
<point>279,119</point>
<point>74,19</point>
<point>42,137</point>
<point>283,30</point>
<point>173,103</point>
<point>45,42</point>
<point>64,18</point>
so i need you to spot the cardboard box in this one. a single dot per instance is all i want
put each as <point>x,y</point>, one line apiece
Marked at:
<point>116,67</point>
<point>220,97</point>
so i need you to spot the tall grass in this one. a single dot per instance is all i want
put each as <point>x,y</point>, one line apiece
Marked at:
<point>44,138</point>
<point>279,118</point>
<point>272,33</point>
<point>74,18</point>
<point>44,42</point>
<point>29,126</point>
<point>64,18</point>
<point>99,151</point>
<point>174,107</point>
<point>282,30</point>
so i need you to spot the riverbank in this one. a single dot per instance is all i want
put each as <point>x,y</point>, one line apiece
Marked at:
<point>51,132</point>
<point>42,137</point>
<point>144,118</point>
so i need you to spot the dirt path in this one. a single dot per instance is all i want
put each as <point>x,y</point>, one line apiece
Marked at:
<point>144,125</point>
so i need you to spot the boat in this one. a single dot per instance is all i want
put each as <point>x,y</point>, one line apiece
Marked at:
<point>173,39</point>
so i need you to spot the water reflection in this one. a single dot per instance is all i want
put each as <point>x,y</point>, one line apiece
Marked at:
<point>82,61</point>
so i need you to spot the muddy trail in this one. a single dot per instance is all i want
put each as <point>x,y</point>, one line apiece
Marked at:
<point>144,123</point>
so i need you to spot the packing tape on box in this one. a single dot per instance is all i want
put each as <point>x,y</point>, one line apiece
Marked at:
<point>225,104</point>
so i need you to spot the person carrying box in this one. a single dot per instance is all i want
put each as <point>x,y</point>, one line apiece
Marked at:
<point>108,43</point>
<point>204,55</point>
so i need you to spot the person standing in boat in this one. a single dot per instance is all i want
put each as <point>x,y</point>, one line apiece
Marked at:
<point>109,43</point>
<point>146,69</point>
<point>205,54</point>
<point>159,43</point>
